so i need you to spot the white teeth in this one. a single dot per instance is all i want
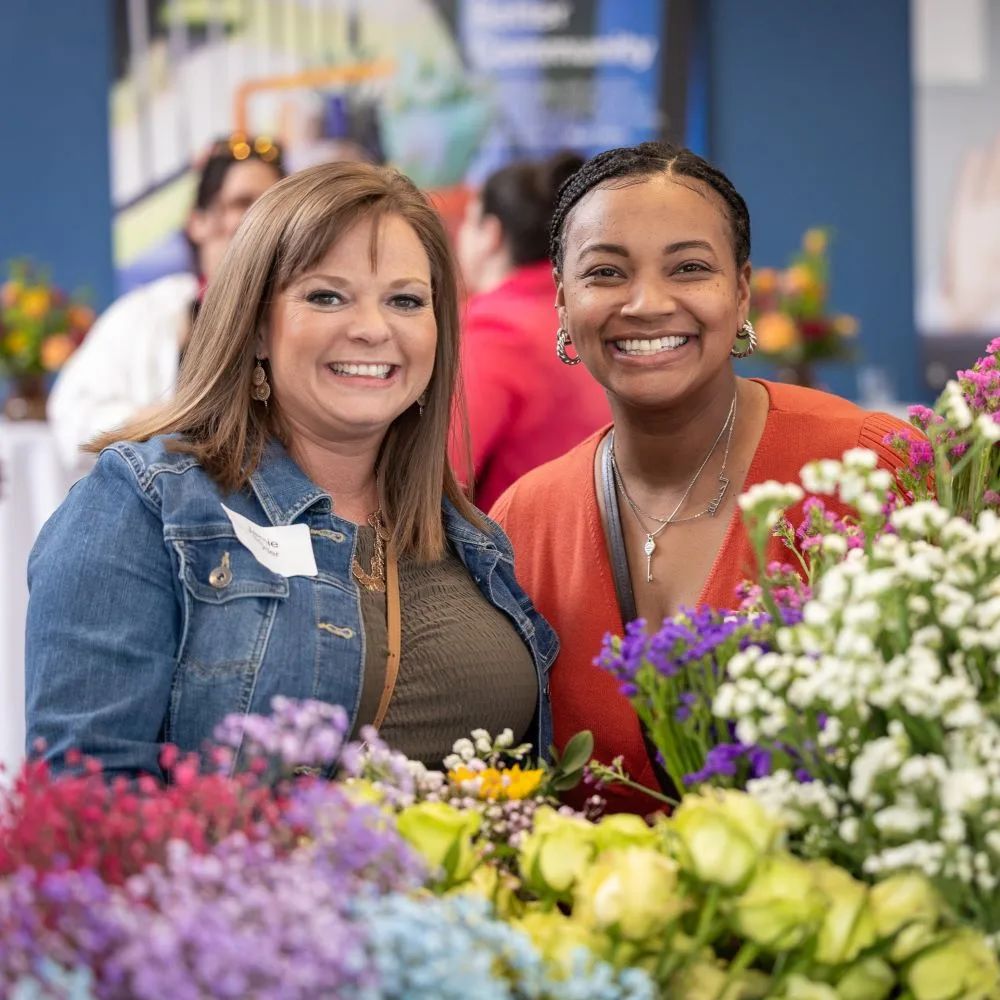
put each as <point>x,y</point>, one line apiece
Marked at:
<point>650,346</point>
<point>369,371</point>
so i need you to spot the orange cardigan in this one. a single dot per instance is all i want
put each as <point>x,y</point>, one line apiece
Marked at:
<point>561,559</point>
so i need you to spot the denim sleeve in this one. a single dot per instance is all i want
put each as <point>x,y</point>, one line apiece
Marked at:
<point>103,625</point>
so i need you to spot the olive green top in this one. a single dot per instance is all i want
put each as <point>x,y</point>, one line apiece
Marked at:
<point>462,664</point>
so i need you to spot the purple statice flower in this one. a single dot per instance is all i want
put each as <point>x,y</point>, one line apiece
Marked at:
<point>721,761</point>
<point>688,700</point>
<point>920,416</point>
<point>297,734</point>
<point>991,499</point>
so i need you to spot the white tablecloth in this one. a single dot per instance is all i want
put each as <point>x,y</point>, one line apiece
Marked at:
<point>33,482</point>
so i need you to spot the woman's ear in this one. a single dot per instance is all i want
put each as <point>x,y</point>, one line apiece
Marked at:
<point>743,291</point>
<point>560,299</point>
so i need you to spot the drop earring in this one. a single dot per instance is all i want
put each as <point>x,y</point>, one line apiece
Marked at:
<point>261,390</point>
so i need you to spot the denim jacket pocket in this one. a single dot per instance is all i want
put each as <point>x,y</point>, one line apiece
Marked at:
<point>230,603</point>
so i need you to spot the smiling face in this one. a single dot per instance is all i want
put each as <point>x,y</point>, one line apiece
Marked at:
<point>351,345</point>
<point>650,292</point>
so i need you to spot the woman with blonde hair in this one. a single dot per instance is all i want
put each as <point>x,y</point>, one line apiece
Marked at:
<point>289,524</point>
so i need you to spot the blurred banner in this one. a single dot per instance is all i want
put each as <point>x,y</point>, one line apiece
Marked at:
<point>445,90</point>
<point>956,172</point>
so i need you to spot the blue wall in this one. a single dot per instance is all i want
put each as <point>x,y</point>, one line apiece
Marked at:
<point>810,117</point>
<point>55,65</point>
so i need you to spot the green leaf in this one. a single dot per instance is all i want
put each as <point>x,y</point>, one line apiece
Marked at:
<point>578,752</point>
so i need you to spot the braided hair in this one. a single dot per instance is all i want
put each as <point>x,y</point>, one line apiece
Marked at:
<point>645,160</point>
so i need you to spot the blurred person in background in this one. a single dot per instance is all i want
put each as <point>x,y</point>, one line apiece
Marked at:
<point>129,362</point>
<point>524,407</point>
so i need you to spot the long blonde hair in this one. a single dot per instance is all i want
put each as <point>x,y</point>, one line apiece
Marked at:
<point>287,231</point>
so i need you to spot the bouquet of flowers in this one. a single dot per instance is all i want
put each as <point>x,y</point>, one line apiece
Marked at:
<point>789,308</point>
<point>855,691</point>
<point>40,325</point>
<point>394,881</point>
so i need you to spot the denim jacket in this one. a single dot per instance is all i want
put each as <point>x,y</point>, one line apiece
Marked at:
<point>132,642</point>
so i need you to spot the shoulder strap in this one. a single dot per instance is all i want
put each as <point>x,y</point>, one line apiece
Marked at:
<point>616,540</point>
<point>394,629</point>
<point>623,588</point>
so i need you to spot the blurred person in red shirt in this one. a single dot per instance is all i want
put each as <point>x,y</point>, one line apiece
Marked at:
<point>524,406</point>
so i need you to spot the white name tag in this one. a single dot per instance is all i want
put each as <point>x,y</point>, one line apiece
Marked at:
<point>286,550</point>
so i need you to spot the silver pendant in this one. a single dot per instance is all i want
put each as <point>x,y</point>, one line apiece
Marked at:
<point>649,548</point>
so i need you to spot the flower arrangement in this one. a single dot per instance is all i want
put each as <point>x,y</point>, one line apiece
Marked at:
<point>40,325</point>
<point>789,308</point>
<point>395,881</point>
<point>854,691</point>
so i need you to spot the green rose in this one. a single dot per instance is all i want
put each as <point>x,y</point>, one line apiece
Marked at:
<point>722,835</point>
<point>960,966</point>
<point>905,907</point>
<point>624,830</point>
<point>870,979</point>
<point>782,906</point>
<point>800,988</point>
<point>443,835</point>
<point>559,939</point>
<point>556,852</point>
<point>632,890</point>
<point>848,926</point>
<point>709,981</point>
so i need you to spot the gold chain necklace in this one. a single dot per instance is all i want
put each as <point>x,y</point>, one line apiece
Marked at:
<point>374,578</point>
<point>711,509</point>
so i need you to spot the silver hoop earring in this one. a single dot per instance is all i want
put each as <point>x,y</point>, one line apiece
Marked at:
<point>261,390</point>
<point>562,339</point>
<point>746,339</point>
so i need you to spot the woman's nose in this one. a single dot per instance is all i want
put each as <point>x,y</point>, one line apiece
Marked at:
<point>649,297</point>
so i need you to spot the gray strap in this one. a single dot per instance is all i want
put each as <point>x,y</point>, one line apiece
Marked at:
<point>616,540</point>
<point>623,588</point>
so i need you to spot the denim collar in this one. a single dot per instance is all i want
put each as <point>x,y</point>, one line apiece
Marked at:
<point>283,489</point>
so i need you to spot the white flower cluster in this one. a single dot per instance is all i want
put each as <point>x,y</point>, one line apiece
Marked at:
<point>888,692</point>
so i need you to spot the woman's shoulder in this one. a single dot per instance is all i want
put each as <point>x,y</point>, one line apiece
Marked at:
<point>809,423</point>
<point>555,485</point>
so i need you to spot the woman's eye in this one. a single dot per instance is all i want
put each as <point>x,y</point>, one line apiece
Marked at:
<point>324,298</point>
<point>604,272</point>
<point>692,267</point>
<point>407,302</point>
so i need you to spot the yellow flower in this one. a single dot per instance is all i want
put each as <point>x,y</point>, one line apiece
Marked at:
<point>498,785</point>
<point>776,332</point>
<point>9,293</point>
<point>16,342</point>
<point>800,988</point>
<point>558,939</point>
<point>55,351</point>
<point>815,241</point>
<point>35,303</point>
<point>624,830</point>
<point>846,326</point>
<point>906,908</point>
<point>764,281</point>
<point>632,890</point>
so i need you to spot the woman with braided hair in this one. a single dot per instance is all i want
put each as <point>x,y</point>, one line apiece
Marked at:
<point>651,250</point>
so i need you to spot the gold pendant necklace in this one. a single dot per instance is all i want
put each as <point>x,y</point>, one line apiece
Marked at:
<point>374,578</point>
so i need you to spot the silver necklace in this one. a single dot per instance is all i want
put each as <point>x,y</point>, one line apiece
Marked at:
<point>711,509</point>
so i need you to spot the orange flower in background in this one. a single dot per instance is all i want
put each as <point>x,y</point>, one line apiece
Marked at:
<point>56,351</point>
<point>9,292</point>
<point>776,332</point>
<point>764,281</point>
<point>788,308</point>
<point>81,317</point>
